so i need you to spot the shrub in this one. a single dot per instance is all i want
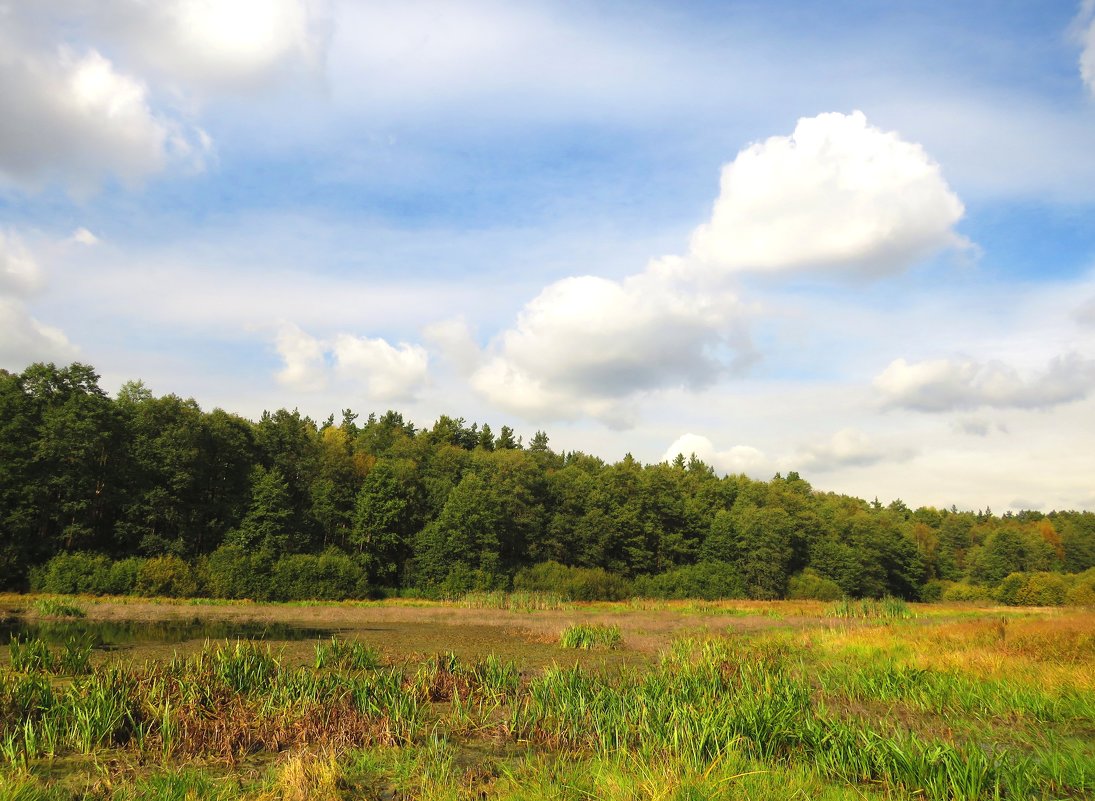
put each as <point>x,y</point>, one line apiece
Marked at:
<point>1082,589</point>
<point>463,579</point>
<point>932,590</point>
<point>959,591</point>
<point>1044,589</point>
<point>122,578</point>
<point>1010,588</point>
<point>573,583</point>
<point>331,576</point>
<point>1033,589</point>
<point>232,572</point>
<point>167,576</point>
<point>809,585</point>
<point>73,573</point>
<point>707,581</point>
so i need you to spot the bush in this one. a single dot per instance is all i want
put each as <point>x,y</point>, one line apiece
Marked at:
<point>959,591</point>
<point>331,576</point>
<point>1044,589</point>
<point>1033,589</point>
<point>122,579</point>
<point>809,585</point>
<point>573,583</point>
<point>1081,591</point>
<point>232,572</point>
<point>707,581</point>
<point>74,573</point>
<point>166,576</point>
<point>932,590</point>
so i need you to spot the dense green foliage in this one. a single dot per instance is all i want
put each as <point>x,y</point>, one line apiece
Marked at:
<point>140,494</point>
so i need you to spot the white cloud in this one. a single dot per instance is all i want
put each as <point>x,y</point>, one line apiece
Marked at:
<point>1085,314</point>
<point>391,373</point>
<point>1023,503</point>
<point>973,427</point>
<point>77,119</point>
<point>387,372</point>
<point>453,338</point>
<point>82,236</point>
<point>23,339</point>
<point>219,44</point>
<point>19,272</point>
<point>1087,55</point>
<point>70,113</point>
<point>848,447</point>
<point>305,368</point>
<point>738,459</point>
<point>837,194</point>
<point>585,346</point>
<point>944,384</point>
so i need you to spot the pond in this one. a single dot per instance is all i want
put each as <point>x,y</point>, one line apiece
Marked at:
<point>113,634</point>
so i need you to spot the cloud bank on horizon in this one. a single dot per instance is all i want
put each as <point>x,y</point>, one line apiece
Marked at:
<point>769,238</point>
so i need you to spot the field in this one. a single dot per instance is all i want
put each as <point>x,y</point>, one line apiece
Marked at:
<point>127,699</point>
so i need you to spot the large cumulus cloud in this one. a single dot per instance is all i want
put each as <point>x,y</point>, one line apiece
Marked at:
<point>837,194</point>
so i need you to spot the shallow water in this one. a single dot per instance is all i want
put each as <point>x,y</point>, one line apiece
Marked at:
<point>113,634</point>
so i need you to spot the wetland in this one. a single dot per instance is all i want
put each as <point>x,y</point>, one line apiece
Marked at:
<point>411,699</point>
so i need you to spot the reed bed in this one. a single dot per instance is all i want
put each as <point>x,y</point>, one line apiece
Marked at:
<point>520,601</point>
<point>870,609</point>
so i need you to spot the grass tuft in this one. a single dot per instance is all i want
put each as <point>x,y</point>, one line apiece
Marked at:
<point>58,607</point>
<point>870,609</point>
<point>589,636</point>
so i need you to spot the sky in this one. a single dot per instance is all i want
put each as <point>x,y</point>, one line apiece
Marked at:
<point>851,239</point>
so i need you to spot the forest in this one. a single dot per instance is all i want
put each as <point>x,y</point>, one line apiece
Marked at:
<point>151,495</point>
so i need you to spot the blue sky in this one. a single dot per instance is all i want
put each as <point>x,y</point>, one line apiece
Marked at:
<point>851,239</point>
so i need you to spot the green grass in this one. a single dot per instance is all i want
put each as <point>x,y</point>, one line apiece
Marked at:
<point>347,655</point>
<point>59,607</point>
<point>832,712</point>
<point>34,655</point>
<point>587,636</point>
<point>870,609</point>
<point>514,601</point>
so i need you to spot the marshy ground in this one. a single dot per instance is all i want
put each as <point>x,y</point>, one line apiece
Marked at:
<point>123,698</point>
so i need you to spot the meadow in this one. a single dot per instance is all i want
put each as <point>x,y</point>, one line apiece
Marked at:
<point>524,696</point>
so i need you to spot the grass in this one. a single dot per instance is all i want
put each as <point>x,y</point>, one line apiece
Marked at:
<point>348,655</point>
<point>587,636</point>
<point>802,710</point>
<point>870,609</point>
<point>514,601</point>
<point>59,607</point>
<point>34,655</point>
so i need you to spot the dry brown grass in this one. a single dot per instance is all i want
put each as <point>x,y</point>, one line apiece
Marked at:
<point>1049,647</point>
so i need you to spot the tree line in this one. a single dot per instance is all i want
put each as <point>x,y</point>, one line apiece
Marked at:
<point>145,493</point>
